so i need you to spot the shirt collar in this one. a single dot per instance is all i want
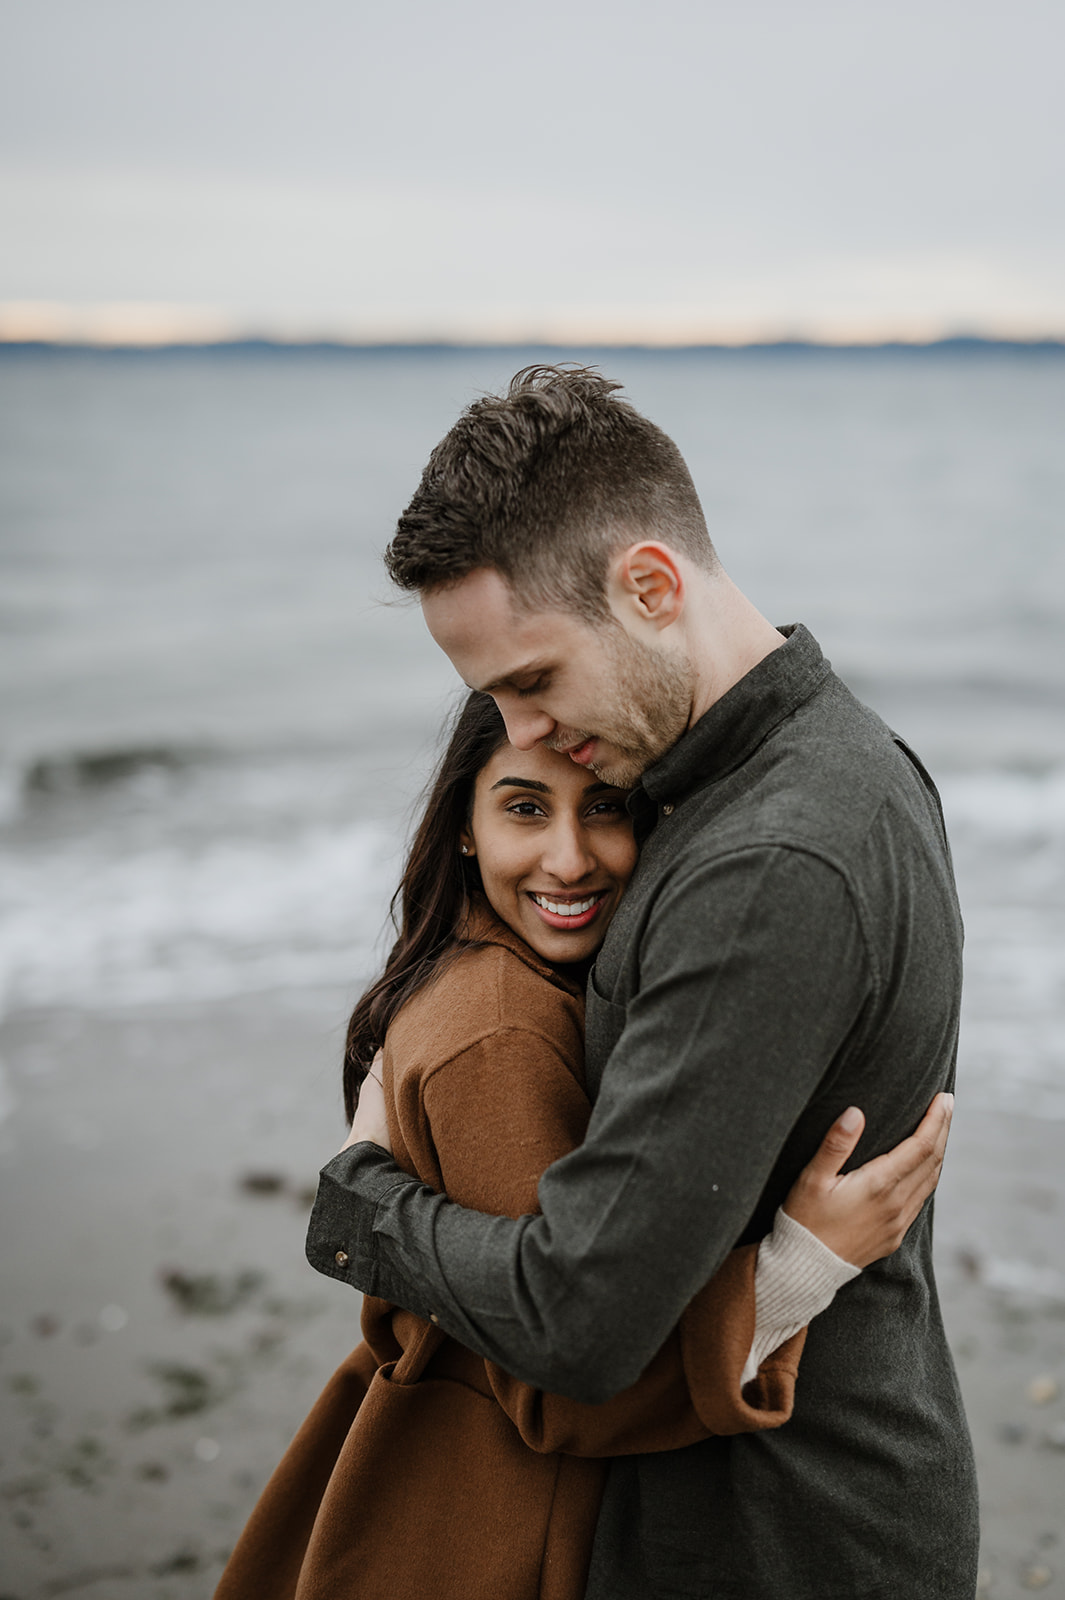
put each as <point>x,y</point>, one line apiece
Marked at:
<point>734,726</point>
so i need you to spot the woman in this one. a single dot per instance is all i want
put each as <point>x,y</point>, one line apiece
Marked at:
<point>424,1470</point>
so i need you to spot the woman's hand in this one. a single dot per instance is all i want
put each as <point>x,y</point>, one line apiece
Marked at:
<point>864,1215</point>
<point>370,1120</point>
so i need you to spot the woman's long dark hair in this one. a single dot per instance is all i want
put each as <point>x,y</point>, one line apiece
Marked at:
<point>431,906</point>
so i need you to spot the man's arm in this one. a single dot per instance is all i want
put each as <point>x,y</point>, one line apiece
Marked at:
<point>753,975</point>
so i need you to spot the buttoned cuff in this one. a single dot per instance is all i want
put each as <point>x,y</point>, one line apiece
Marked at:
<point>340,1234</point>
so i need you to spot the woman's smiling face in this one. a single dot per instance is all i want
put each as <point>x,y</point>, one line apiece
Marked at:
<point>555,849</point>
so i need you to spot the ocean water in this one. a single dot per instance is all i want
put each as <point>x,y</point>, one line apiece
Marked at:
<point>215,719</point>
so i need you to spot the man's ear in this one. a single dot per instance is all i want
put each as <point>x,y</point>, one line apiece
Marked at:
<point>645,583</point>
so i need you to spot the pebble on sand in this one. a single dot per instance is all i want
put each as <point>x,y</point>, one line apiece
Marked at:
<point>262,1183</point>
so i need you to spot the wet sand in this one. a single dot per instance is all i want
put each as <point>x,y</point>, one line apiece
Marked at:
<point>161,1334</point>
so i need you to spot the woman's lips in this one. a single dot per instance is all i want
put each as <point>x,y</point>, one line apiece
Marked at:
<point>577,913</point>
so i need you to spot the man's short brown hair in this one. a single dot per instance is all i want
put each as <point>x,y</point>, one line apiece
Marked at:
<point>544,484</point>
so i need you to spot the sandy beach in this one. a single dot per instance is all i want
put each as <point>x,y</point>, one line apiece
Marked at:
<point>161,1334</point>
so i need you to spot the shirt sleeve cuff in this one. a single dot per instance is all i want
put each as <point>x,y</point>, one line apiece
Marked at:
<point>796,1278</point>
<point>340,1233</point>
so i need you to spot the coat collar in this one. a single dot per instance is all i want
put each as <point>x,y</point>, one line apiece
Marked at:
<point>484,927</point>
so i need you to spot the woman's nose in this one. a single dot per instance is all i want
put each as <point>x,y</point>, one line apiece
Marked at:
<point>567,855</point>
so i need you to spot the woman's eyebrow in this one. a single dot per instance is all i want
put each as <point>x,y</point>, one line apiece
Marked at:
<point>523,783</point>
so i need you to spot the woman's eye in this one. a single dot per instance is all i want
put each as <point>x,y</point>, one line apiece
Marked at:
<point>610,808</point>
<point>525,808</point>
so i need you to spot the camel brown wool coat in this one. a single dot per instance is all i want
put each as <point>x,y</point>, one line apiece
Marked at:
<point>424,1472</point>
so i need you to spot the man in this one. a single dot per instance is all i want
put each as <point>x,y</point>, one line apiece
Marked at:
<point>789,945</point>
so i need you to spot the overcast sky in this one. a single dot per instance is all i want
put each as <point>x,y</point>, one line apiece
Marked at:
<point>668,169</point>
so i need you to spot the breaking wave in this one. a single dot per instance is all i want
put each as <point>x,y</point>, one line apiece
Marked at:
<point>149,875</point>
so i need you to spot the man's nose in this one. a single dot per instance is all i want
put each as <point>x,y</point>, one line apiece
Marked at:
<point>566,854</point>
<point>526,727</point>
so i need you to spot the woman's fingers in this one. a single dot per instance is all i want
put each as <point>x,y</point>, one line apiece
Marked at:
<point>818,1198</point>
<point>901,1180</point>
<point>864,1215</point>
<point>837,1145</point>
<point>913,1167</point>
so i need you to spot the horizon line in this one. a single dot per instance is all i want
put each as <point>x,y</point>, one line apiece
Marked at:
<point>158,325</point>
<point>267,342</point>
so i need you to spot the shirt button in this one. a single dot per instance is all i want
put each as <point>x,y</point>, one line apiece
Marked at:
<point>341,1258</point>
<point>433,1317</point>
<point>667,811</point>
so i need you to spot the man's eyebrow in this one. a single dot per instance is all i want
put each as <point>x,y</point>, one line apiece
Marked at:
<point>522,783</point>
<point>533,669</point>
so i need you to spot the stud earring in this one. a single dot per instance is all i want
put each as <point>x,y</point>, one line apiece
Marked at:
<point>465,850</point>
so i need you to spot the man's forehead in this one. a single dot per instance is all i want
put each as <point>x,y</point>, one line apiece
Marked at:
<point>482,597</point>
<point>488,637</point>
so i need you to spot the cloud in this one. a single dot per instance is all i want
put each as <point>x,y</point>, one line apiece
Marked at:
<point>200,258</point>
<point>475,170</point>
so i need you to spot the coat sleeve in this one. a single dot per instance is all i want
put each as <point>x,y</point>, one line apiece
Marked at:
<point>498,1115</point>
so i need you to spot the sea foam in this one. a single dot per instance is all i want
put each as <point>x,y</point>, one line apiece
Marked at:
<point>163,921</point>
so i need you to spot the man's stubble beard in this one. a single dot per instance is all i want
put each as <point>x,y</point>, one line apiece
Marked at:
<point>648,710</point>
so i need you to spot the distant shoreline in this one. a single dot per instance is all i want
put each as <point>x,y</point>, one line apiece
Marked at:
<point>961,345</point>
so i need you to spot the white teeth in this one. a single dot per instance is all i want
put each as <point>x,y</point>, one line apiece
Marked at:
<point>572,908</point>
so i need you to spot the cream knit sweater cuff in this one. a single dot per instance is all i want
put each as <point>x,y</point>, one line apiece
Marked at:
<point>796,1277</point>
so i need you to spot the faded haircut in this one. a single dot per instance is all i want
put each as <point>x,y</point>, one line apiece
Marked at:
<point>545,484</point>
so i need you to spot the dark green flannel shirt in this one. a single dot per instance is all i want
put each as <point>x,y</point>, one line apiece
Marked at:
<point>789,945</point>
